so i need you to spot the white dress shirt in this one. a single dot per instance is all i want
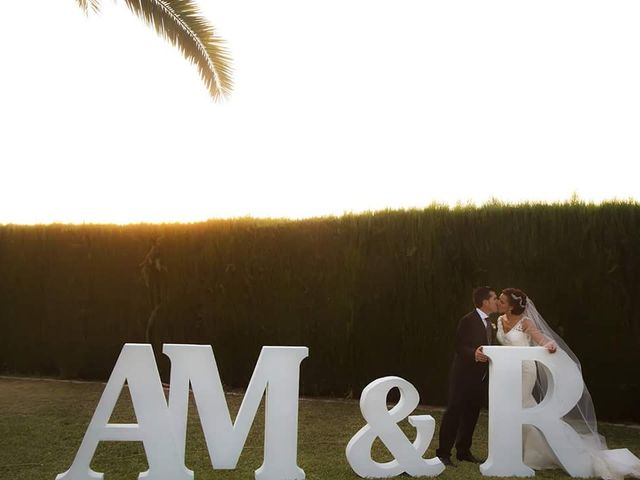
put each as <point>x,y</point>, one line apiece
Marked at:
<point>483,316</point>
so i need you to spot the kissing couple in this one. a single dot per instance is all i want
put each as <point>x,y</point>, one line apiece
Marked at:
<point>519,324</point>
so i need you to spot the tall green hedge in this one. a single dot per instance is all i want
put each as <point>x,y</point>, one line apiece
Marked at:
<point>370,295</point>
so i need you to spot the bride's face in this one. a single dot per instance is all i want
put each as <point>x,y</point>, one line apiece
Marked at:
<point>503,304</point>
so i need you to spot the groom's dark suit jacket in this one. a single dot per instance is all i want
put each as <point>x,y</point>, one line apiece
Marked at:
<point>471,333</point>
<point>467,386</point>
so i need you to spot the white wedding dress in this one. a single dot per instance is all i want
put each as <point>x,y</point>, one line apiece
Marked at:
<point>607,464</point>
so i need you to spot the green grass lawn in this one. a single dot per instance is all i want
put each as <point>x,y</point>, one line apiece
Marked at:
<point>42,424</point>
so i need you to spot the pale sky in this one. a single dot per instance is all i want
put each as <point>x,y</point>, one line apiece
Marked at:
<point>339,105</point>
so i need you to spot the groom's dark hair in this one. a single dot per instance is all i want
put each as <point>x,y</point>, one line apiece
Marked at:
<point>481,294</point>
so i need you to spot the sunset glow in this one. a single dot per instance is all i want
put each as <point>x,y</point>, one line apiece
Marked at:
<point>337,107</point>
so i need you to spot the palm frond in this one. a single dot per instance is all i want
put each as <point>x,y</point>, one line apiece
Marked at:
<point>85,5</point>
<point>180,22</point>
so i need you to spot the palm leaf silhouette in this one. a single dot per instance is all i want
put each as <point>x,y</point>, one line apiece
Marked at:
<point>181,23</point>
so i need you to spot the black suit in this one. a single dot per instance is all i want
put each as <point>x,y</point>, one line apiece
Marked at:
<point>467,386</point>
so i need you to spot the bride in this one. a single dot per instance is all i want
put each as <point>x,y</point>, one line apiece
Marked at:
<point>521,325</point>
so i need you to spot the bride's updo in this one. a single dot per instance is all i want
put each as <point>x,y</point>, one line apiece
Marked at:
<point>517,299</point>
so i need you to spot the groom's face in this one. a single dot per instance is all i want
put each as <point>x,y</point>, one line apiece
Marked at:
<point>491,304</point>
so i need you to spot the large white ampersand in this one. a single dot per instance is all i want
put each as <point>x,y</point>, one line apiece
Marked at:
<point>383,423</point>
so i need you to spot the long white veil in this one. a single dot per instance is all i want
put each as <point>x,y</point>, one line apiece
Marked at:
<point>582,417</point>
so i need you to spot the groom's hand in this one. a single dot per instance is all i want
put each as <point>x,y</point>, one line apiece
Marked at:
<point>481,357</point>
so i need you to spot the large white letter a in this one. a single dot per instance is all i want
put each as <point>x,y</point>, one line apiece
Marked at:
<point>136,365</point>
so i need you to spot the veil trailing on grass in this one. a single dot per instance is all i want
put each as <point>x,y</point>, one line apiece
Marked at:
<point>607,464</point>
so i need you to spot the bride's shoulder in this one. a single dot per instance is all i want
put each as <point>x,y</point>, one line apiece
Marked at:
<point>527,323</point>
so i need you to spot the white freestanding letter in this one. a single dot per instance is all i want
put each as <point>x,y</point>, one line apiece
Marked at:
<point>136,365</point>
<point>507,415</point>
<point>277,371</point>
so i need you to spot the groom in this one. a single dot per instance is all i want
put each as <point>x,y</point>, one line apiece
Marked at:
<point>467,378</point>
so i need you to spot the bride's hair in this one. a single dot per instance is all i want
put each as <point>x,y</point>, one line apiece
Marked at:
<point>517,299</point>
